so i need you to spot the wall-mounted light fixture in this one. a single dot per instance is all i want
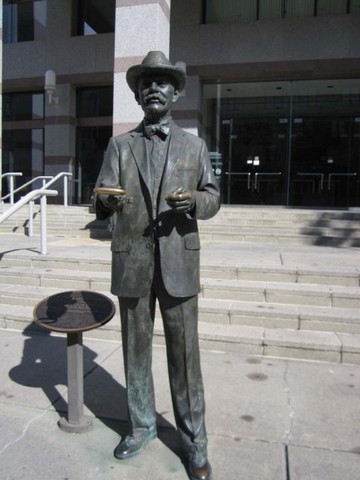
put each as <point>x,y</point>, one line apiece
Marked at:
<point>50,86</point>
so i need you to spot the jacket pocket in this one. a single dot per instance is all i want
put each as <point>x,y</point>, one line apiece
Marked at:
<point>192,241</point>
<point>121,244</point>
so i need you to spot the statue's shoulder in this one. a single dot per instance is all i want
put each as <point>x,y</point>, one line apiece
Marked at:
<point>190,137</point>
<point>125,137</point>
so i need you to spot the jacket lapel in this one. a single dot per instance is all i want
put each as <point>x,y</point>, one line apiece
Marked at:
<point>138,149</point>
<point>177,142</point>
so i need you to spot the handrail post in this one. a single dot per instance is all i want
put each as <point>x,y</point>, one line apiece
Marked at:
<point>11,188</point>
<point>31,196</point>
<point>31,230</point>
<point>43,239</point>
<point>66,182</point>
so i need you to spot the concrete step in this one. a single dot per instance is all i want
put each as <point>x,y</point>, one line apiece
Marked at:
<point>300,312</point>
<point>231,224</point>
<point>274,226</point>
<point>226,312</point>
<point>273,297</point>
<point>283,293</point>
<point>237,290</point>
<point>228,217</point>
<point>283,239</point>
<point>344,275</point>
<point>279,214</point>
<point>286,343</point>
<point>255,237</point>
<point>218,231</point>
<point>57,278</point>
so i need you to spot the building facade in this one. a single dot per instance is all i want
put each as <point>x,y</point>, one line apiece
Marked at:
<point>273,87</point>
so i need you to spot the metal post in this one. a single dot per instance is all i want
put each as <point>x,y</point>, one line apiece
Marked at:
<point>43,239</point>
<point>30,229</point>
<point>230,160</point>
<point>75,422</point>
<point>75,377</point>
<point>66,182</point>
<point>11,187</point>
<point>289,147</point>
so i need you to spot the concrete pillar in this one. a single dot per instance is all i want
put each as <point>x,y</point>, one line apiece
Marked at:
<point>60,118</point>
<point>59,142</point>
<point>140,26</point>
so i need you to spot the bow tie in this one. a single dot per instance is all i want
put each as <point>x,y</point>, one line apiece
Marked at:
<point>156,129</point>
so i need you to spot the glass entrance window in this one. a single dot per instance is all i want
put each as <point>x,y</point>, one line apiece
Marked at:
<point>23,151</point>
<point>285,143</point>
<point>91,143</point>
<point>94,108</point>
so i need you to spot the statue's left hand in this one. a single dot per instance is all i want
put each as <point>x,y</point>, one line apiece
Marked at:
<point>181,200</point>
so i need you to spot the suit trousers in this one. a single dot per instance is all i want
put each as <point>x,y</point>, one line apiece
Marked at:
<point>180,319</point>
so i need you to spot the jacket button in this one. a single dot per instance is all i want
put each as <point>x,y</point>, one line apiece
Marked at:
<point>148,245</point>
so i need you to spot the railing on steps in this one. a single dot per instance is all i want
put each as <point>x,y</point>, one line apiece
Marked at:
<point>66,176</point>
<point>52,180</point>
<point>12,192</point>
<point>30,198</point>
<point>11,176</point>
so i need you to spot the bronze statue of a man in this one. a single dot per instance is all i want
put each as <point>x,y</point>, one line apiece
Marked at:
<point>169,184</point>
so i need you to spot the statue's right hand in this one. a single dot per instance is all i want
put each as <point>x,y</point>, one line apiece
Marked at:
<point>112,202</point>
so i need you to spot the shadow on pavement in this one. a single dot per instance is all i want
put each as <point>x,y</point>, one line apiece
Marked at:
<point>43,365</point>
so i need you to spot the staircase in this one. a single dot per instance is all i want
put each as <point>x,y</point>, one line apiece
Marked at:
<point>268,225</point>
<point>275,281</point>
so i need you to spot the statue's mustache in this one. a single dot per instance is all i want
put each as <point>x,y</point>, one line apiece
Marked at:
<point>155,96</point>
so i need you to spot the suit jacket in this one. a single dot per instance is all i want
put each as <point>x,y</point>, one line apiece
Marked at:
<point>133,245</point>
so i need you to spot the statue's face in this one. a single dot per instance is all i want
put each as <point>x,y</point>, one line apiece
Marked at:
<point>156,94</point>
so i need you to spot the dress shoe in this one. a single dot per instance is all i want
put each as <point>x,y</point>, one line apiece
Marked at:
<point>200,472</point>
<point>132,445</point>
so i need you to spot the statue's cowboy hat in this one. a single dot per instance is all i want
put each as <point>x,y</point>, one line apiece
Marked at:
<point>155,62</point>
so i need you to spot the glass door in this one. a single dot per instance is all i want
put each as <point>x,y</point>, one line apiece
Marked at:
<point>285,143</point>
<point>91,143</point>
<point>325,161</point>
<point>248,127</point>
<point>255,159</point>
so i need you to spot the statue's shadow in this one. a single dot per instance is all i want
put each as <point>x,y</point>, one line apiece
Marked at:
<point>44,365</point>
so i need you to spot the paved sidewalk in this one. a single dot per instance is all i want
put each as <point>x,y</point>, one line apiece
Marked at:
<point>267,419</point>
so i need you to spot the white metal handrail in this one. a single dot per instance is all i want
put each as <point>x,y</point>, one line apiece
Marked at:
<point>53,180</point>
<point>30,182</point>
<point>11,176</point>
<point>29,198</point>
<point>66,176</point>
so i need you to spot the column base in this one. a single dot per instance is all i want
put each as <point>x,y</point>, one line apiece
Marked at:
<point>85,425</point>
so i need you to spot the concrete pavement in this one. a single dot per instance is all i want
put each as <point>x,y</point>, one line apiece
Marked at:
<point>267,418</point>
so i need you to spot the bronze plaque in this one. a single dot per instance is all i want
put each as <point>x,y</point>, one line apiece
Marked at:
<point>74,311</point>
